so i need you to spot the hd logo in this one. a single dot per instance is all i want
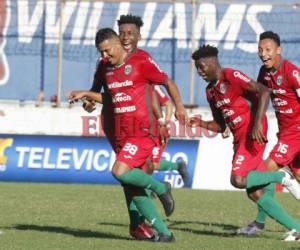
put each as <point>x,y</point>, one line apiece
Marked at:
<point>4,144</point>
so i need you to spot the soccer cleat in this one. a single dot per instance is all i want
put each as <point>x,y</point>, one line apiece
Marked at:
<point>290,183</point>
<point>182,170</point>
<point>142,232</point>
<point>164,238</point>
<point>251,229</point>
<point>167,200</point>
<point>292,235</point>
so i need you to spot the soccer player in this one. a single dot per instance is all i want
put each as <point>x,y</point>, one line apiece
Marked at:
<point>129,33</point>
<point>282,78</point>
<point>233,98</point>
<point>126,75</point>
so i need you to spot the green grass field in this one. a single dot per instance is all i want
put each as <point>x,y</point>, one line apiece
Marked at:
<point>56,216</point>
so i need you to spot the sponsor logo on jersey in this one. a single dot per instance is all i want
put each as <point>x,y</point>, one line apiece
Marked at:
<point>222,102</point>
<point>222,88</point>
<point>115,85</point>
<point>127,69</point>
<point>124,109</point>
<point>285,111</point>
<point>279,80</point>
<point>237,74</point>
<point>227,113</point>
<point>121,97</point>
<point>277,102</point>
<point>4,144</point>
<point>278,155</point>
<point>235,121</point>
<point>278,91</point>
<point>296,75</point>
<point>267,78</point>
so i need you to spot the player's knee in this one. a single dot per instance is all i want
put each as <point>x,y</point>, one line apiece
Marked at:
<point>255,195</point>
<point>238,181</point>
<point>119,169</point>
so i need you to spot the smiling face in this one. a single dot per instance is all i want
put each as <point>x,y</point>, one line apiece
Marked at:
<point>112,50</point>
<point>269,53</point>
<point>129,35</point>
<point>207,68</point>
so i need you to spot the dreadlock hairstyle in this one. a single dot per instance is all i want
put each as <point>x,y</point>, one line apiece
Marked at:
<point>205,51</point>
<point>124,19</point>
<point>104,34</point>
<point>270,35</point>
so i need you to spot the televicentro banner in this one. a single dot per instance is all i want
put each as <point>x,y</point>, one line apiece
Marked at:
<point>67,159</point>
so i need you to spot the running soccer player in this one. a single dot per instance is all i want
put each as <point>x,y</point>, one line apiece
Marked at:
<point>129,33</point>
<point>128,74</point>
<point>282,78</point>
<point>229,93</point>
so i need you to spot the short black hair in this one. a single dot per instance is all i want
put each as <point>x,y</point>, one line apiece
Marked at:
<point>104,34</point>
<point>124,19</point>
<point>270,35</point>
<point>205,51</point>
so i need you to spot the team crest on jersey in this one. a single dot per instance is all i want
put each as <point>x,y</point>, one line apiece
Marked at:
<point>222,88</point>
<point>279,80</point>
<point>128,69</point>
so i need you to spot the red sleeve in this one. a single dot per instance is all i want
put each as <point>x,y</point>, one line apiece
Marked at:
<point>238,78</point>
<point>161,96</point>
<point>152,72</point>
<point>293,77</point>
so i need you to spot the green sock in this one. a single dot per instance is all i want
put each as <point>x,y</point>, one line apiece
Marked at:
<point>167,165</point>
<point>261,215</point>
<point>134,215</point>
<point>276,212</point>
<point>137,177</point>
<point>148,209</point>
<point>256,178</point>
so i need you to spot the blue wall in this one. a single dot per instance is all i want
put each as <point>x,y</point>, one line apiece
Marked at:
<point>233,28</point>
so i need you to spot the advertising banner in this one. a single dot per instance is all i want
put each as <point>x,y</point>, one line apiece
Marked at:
<point>70,159</point>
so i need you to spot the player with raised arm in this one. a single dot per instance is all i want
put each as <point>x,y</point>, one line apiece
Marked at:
<point>129,75</point>
<point>233,98</point>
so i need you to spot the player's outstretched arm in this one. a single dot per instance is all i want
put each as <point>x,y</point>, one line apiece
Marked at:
<point>82,94</point>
